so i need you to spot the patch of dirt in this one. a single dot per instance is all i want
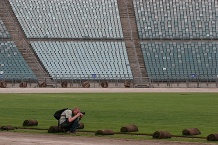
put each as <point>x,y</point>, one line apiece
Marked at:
<point>12,138</point>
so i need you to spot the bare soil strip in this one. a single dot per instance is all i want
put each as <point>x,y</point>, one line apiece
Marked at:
<point>11,138</point>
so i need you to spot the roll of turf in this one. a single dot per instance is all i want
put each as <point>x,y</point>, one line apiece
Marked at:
<point>104,84</point>
<point>129,128</point>
<point>81,126</point>
<point>161,135</point>
<point>55,129</point>
<point>8,127</point>
<point>191,131</point>
<point>30,123</point>
<point>86,84</point>
<point>3,84</point>
<point>127,84</point>
<point>104,132</point>
<point>212,137</point>
<point>64,84</point>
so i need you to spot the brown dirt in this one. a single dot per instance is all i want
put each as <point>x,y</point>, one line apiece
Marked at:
<point>11,138</point>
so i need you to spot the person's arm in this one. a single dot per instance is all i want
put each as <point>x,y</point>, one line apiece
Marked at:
<point>71,119</point>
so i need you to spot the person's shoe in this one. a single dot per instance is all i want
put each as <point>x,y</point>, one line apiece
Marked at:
<point>71,132</point>
<point>64,130</point>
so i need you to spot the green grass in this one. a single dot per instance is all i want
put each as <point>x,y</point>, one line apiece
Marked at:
<point>149,111</point>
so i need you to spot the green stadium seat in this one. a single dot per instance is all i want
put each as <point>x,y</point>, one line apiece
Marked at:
<point>176,20</point>
<point>164,58</point>
<point>12,64</point>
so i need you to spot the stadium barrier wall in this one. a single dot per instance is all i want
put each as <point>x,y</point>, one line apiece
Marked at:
<point>200,81</point>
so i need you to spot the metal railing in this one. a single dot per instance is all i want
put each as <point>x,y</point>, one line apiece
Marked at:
<point>114,81</point>
<point>73,80</point>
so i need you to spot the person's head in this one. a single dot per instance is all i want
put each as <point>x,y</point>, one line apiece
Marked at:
<point>76,111</point>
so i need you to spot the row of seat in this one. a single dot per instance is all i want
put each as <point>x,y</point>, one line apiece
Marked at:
<point>69,19</point>
<point>85,58</point>
<point>92,76</point>
<point>12,63</point>
<point>177,19</point>
<point>184,77</point>
<point>167,58</point>
<point>3,31</point>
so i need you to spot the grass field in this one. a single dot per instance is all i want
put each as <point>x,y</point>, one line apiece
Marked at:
<point>149,111</point>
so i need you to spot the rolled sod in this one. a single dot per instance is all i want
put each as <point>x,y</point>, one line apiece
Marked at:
<point>161,135</point>
<point>129,128</point>
<point>64,84</point>
<point>191,131</point>
<point>212,137</point>
<point>55,129</point>
<point>86,84</point>
<point>104,84</point>
<point>127,84</point>
<point>81,126</point>
<point>8,127</point>
<point>3,84</point>
<point>30,123</point>
<point>104,132</point>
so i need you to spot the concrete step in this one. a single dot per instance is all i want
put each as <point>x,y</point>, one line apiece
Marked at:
<point>128,22</point>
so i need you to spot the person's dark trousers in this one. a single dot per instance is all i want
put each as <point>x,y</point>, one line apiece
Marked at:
<point>70,126</point>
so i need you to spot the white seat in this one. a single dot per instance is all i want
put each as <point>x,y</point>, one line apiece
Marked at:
<point>79,60</point>
<point>59,23</point>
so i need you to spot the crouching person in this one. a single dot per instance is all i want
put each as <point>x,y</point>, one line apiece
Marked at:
<point>69,120</point>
